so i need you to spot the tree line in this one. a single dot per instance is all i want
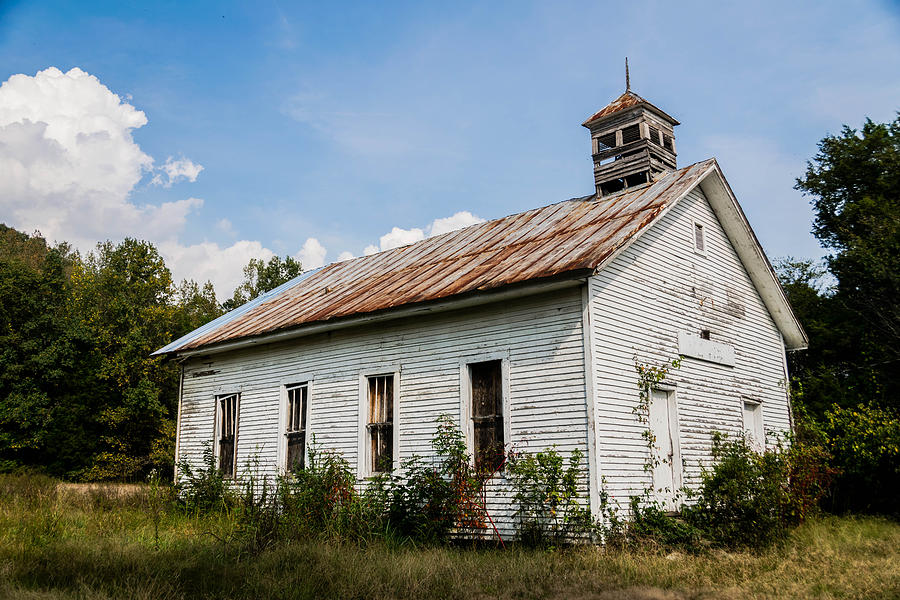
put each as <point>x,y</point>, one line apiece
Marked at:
<point>845,386</point>
<point>81,397</point>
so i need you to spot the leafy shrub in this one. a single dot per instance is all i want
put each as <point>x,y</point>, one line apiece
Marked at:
<point>322,499</point>
<point>205,488</point>
<point>430,500</point>
<point>548,503</point>
<point>864,443</point>
<point>651,526</point>
<point>810,477</point>
<point>745,499</point>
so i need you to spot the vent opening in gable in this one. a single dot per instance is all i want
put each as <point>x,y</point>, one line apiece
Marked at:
<point>699,238</point>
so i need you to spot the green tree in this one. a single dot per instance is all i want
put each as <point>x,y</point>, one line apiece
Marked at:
<point>123,295</point>
<point>41,403</point>
<point>196,306</point>
<point>261,276</point>
<point>827,372</point>
<point>854,183</point>
<point>80,395</point>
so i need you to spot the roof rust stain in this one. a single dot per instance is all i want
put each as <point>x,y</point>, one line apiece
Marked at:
<point>567,237</point>
<point>627,100</point>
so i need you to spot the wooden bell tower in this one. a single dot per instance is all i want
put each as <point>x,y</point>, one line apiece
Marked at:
<point>633,142</point>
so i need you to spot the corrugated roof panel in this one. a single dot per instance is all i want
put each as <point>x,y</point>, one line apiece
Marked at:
<point>233,314</point>
<point>570,236</point>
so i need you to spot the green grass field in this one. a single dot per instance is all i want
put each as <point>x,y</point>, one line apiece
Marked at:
<point>102,543</point>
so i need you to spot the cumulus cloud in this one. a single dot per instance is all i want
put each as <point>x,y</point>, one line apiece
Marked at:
<point>173,171</point>
<point>225,226</point>
<point>68,165</point>
<point>452,223</point>
<point>70,162</point>
<point>312,254</point>
<point>345,256</point>
<point>397,237</point>
<point>208,261</point>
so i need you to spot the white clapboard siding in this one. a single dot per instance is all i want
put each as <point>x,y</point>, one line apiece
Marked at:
<point>541,336</point>
<point>638,303</point>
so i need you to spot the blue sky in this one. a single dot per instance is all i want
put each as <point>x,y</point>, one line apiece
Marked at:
<point>342,121</point>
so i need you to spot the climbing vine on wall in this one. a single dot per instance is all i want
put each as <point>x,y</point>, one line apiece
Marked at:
<point>649,376</point>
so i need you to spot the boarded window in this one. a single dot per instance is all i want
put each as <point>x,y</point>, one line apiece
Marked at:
<point>753,424</point>
<point>699,241</point>
<point>380,425</point>
<point>295,426</point>
<point>654,135</point>
<point>606,141</point>
<point>631,133</point>
<point>226,431</point>
<point>487,414</point>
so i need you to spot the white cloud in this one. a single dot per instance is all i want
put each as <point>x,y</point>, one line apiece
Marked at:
<point>210,262</point>
<point>69,164</point>
<point>225,226</point>
<point>312,254</point>
<point>452,223</point>
<point>345,256</point>
<point>397,237</point>
<point>175,171</point>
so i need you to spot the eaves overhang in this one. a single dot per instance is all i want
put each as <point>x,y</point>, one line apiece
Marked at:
<point>724,203</point>
<point>459,302</point>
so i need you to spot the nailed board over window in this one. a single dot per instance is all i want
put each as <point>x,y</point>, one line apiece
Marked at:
<point>487,414</point>
<point>753,424</point>
<point>380,423</point>
<point>693,346</point>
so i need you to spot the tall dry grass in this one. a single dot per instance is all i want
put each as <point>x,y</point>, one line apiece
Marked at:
<point>62,543</point>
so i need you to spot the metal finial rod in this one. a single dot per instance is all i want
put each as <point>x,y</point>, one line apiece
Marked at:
<point>627,77</point>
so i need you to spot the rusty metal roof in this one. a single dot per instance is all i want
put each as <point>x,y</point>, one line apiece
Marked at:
<point>570,237</point>
<point>627,100</point>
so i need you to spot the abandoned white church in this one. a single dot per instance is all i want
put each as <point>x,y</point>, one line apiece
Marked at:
<point>526,329</point>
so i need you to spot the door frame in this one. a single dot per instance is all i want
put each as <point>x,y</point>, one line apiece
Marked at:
<point>668,498</point>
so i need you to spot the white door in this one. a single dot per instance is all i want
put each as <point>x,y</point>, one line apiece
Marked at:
<point>667,458</point>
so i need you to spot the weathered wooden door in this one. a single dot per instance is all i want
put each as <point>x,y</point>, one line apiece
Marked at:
<point>487,414</point>
<point>666,454</point>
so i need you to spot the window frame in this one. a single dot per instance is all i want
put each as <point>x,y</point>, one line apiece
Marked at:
<point>217,424</point>
<point>465,398</point>
<point>283,403</point>
<point>364,452</point>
